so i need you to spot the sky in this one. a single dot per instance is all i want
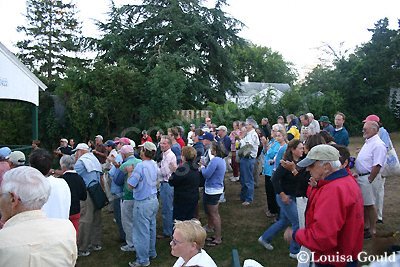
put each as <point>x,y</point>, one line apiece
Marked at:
<point>294,28</point>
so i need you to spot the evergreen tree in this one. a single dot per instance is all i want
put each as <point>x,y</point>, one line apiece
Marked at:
<point>52,37</point>
<point>193,41</point>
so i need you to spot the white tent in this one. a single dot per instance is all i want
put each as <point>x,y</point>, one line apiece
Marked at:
<point>19,83</point>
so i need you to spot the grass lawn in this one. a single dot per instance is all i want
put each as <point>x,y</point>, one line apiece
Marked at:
<point>241,227</point>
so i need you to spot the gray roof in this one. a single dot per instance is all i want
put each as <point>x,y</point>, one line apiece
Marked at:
<point>22,67</point>
<point>250,88</point>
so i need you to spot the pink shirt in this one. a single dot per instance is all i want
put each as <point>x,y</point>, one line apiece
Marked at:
<point>372,153</point>
<point>168,157</point>
<point>4,166</point>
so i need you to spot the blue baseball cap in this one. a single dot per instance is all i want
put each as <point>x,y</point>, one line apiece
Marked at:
<point>5,152</point>
<point>109,143</point>
<point>207,136</point>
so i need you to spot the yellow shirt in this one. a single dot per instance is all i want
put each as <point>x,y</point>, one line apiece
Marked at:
<point>295,132</point>
<point>31,239</point>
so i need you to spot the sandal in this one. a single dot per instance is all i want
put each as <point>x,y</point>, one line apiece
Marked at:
<point>213,243</point>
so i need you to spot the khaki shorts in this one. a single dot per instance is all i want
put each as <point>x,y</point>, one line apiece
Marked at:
<point>366,190</point>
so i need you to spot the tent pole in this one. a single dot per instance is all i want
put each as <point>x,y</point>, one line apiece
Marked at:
<point>35,122</point>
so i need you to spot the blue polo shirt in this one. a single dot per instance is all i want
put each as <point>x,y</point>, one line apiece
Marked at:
<point>88,177</point>
<point>144,180</point>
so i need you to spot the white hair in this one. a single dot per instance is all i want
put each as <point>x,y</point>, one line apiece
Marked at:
<point>68,161</point>
<point>334,163</point>
<point>29,184</point>
<point>374,125</point>
<point>278,127</point>
<point>252,122</point>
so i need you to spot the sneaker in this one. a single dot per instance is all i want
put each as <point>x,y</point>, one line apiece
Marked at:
<point>137,264</point>
<point>265,244</point>
<point>269,214</point>
<point>127,248</point>
<point>95,247</point>
<point>83,253</point>
<point>208,229</point>
<point>246,203</point>
<point>293,256</point>
<point>379,221</point>
<point>234,179</point>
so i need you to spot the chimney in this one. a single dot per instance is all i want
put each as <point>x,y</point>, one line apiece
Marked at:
<point>246,79</point>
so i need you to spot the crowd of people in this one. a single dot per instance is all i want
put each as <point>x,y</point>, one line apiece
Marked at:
<point>309,188</point>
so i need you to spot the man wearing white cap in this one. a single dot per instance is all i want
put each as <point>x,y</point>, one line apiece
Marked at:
<point>90,232</point>
<point>63,149</point>
<point>16,159</point>
<point>143,180</point>
<point>334,214</point>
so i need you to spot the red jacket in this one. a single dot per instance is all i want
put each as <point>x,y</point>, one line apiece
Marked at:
<point>334,220</point>
<point>144,140</point>
<point>180,142</point>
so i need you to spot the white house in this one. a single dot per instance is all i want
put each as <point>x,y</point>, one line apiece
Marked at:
<point>251,90</point>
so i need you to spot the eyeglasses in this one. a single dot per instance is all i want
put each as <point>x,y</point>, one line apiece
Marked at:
<point>175,242</point>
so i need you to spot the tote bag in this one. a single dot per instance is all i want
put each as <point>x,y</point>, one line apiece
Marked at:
<point>392,165</point>
<point>98,196</point>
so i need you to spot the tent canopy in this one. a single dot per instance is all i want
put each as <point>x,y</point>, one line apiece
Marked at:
<point>16,80</point>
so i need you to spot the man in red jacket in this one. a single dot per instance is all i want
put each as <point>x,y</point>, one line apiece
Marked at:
<point>334,228</point>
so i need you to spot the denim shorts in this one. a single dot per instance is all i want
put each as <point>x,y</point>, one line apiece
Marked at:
<point>211,199</point>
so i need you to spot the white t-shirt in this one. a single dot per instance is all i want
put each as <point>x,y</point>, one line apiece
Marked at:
<point>59,202</point>
<point>201,259</point>
<point>189,138</point>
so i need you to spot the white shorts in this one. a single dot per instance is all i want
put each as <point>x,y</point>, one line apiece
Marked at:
<point>366,190</point>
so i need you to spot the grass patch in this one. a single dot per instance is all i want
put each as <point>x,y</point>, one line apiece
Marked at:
<point>241,227</point>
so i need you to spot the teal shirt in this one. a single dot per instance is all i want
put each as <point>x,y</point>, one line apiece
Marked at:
<point>130,161</point>
<point>270,155</point>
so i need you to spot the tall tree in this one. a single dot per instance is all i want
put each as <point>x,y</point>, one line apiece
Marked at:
<point>52,37</point>
<point>184,35</point>
<point>261,64</point>
<point>361,82</point>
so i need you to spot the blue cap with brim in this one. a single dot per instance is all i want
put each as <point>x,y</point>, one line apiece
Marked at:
<point>5,152</point>
<point>207,136</point>
<point>109,143</point>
